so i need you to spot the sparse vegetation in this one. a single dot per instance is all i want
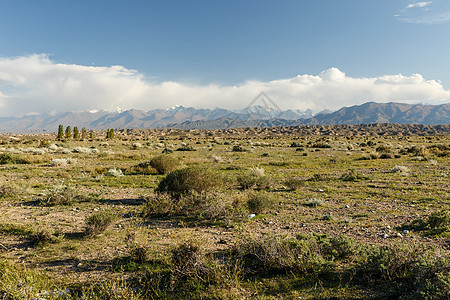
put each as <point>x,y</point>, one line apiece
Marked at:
<point>334,221</point>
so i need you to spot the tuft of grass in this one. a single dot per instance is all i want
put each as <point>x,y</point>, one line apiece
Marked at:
<point>98,223</point>
<point>43,237</point>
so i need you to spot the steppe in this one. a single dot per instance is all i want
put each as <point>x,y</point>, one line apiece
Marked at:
<point>311,212</point>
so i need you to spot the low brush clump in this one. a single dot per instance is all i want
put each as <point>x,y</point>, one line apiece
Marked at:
<point>60,195</point>
<point>192,179</point>
<point>97,223</point>
<point>255,178</point>
<point>164,164</point>
<point>259,203</point>
<point>212,207</point>
<point>437,223</point>
<point>6,158</point>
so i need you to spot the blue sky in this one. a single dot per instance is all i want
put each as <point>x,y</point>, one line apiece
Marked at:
<point>221,53</point>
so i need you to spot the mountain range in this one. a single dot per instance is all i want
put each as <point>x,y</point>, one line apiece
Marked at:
<point>218,118</point>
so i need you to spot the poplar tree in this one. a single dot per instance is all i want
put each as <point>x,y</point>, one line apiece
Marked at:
<point>83,133</point>
<point>60,132</point>
<point>76,133</point>
<point>68,132</point>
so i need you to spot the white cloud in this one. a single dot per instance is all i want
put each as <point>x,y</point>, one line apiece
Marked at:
<point>419,4</point>
<point>429,19</point>
<point>35,83</point>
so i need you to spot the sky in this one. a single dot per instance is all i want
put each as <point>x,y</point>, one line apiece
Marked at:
<point>61,55</point>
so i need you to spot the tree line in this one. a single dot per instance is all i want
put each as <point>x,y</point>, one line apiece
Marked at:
<point>76,134</point>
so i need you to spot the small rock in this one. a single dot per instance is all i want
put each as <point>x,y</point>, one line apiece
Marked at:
<point>384,235</point>
<point>347,206</point>
<point>251,216</point>
<point>405,231</point>
<point>399,235</point>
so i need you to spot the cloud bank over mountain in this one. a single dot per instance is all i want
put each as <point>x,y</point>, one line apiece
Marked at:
<point>36,84</point>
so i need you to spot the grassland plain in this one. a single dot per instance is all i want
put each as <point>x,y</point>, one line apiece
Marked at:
<point>314,212</point>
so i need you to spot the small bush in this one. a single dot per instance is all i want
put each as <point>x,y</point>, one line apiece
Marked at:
<point>386,156</point>
<point>139,254</point>
<point>186,148</point>
<point>315,202</point>
<point>60,195</point>
<point>400,169</point>
<point>259,203</point>
<point>115,172</point>
<point>391,263</point>
<point>97,223</point>
<point>255,178</point>
<point>293,183</point>
<point>188,262</point>
<point>42,237</point>
<point>318,177</point>
<point>276,255</point>
<point>197,179</point>
<point>6,158</point>
<point>238,148</point>
<point>383,149</point>
<point>215,206</point>
<point>164,164</point>
<point>437,223</point>
<point>321,145</point>
<point>7,191</point>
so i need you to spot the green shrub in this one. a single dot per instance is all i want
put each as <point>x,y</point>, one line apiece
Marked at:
<point>164,164</point>
<point>43,237</point>
<point>192,179</point>
<point>97,223</point>
<point>259,203</point>
<point>255,178</point>
<point>293,183</point>
<point>186,148</point>
<point>391,263</point>
<point>437,223</point>
<point>215,206</point>
<point>276,255</point>
<point>7,191</point>
<point>60,195</point>
<point>6,158</point>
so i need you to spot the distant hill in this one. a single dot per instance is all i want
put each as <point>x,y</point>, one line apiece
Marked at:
<point>218,118</point>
